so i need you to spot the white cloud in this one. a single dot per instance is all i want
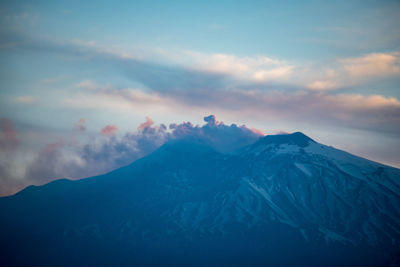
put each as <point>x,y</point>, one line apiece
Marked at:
<point>361,102</point>
<point>329,75</point>
<point>86,84</point>
<point>374,112</point>
<point>322,85</point>
<point>334,74</point>
<point>256,68</point>
<point>126,100</point>
<point>347,72</point>
<point>375,64</point>
<point>273,74</point>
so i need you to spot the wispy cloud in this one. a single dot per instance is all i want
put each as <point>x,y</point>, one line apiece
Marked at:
<point>373,65</point>
<point>347,72</point>
<point>25,99</point>
<point>372,112</point>
<point>80,125</point>
<point>8,134</point>
<point>67,158</point>
<point>9,142</point>
<point>257,68</point>
<point>216,84</point>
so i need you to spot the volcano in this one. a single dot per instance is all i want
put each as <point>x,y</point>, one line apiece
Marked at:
<point>283,200</point>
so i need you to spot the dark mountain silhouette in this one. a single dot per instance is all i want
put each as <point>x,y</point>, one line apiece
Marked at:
<point>284,200</point>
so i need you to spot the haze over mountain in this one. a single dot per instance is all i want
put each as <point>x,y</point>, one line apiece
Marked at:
<point>78,156</point>
<point>282,199</point>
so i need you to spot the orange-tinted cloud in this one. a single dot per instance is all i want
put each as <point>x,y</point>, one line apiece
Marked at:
<point>109,130</point>
<point>258,131</point>
<point>147,124</point>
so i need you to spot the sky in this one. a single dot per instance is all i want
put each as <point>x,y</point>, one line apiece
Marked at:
<point>87,86</point>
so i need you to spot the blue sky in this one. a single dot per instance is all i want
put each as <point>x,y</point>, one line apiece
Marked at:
<point>328,69</point>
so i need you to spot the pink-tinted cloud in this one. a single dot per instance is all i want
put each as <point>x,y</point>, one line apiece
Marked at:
<point>67,159</point>
<point>8,135</point>
<point>109,130</point>
<point>258,131</point>
<point>80,125</point>
<point>147,124</point>
<point>50,148</point>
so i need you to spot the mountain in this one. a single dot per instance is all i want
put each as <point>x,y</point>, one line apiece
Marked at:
<point>283,200</point>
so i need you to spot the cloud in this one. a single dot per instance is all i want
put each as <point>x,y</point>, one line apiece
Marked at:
<point>353,71</point>
<point>9,142</point>
<point>80,125</point>
<point>258,131</point>
<point>90,157</point>
<point>182,70</point>
<point>363,103</point>
<point>223,138</point>
<point>8,135</point>
<point>109,130</point>
<point>258,87</point>
<point>212,120</point>
<point>372,65</point>
<point>88,84</point>
<point>159,68</point>
<point>8,183</point>
<point>25,99</point>
<point>271,74</point>
<point>214,85</point>
<point>56,160</point>
<point>257,68</point>
<point>67,158</point>
<point>375,64</point>
<point>322,85</point>
<point>369,112</point>
<point>145,125</point>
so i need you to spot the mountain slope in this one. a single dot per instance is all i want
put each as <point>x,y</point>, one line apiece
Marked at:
<point>285,199</point>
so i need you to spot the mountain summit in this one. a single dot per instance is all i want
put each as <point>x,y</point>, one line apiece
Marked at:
<point>296,138</point>
<point>283,200</point>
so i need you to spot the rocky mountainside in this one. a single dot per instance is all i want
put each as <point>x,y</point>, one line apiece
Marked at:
<point>284,200</point>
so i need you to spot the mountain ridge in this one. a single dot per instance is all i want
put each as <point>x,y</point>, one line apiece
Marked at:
<point>289,190</point>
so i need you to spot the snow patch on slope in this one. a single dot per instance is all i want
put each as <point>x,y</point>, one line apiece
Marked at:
<point>285,219</point>
<point>303,168</point>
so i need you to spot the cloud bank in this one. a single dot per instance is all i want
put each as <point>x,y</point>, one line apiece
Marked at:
<point>105,152</point>
<point>257,86</point>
